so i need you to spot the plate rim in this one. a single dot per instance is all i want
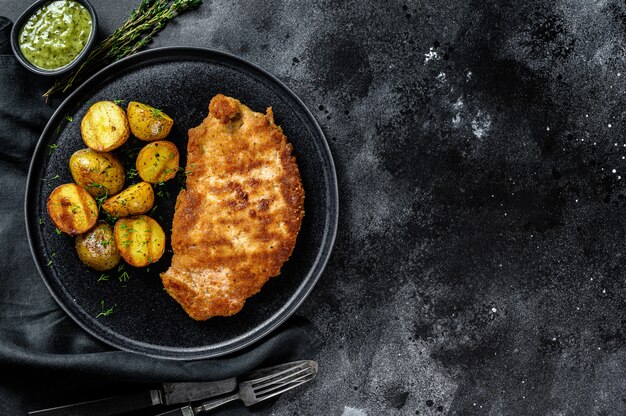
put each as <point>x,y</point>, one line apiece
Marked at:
<point>286,310</point>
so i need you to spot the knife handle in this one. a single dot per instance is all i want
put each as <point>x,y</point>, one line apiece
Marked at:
<point>105,407</point>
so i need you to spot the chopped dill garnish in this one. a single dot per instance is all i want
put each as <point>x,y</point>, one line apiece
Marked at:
<point>104,312</point>
<point>156,113</point>
<point>131,173</point>
<point>69,118</point>
<point>52,147</point>
<point>56,230</point>
<point>124,277</point>
<point>50,259</point>
<point>103,278</point>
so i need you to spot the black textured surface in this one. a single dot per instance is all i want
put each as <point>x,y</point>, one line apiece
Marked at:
<point>141,306</point>
<point>479,267</point>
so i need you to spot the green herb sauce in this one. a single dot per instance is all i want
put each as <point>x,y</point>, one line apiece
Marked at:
<point>55,34</point>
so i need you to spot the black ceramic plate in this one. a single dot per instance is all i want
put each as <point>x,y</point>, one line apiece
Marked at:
<point>181,82</point>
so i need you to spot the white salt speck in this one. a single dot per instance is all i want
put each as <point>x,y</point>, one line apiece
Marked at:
<point>619,74</point>
<point>603,290</point>
<point>614,171</point>
<point>610,125</point>
<point>619,177</point>
<point>494,310</point>
<point>432,55</point>
<point>587,115</point>
<point>548,128</point>
<point>481,124</point>
<point>577,200</point>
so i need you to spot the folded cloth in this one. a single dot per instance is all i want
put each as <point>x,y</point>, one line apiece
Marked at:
<point>45,358</point>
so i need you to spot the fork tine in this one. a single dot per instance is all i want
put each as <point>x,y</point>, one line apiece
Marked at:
<point>285,388</point>
<point>271,388</point>
<point>282,379</point>
<point>278,374</point>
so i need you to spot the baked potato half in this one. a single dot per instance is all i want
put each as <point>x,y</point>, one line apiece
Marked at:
<point>72,209</point>
<point>105,126</point>
<point>157,161</point>
<point>97,249</point>
<point>134,200</point>
<point>140,240</point>
<point>148,123</point>
<point>99,173</point>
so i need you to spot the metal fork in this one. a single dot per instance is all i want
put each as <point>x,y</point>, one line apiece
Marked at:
<point>259,389</point>
<point>262,387</point>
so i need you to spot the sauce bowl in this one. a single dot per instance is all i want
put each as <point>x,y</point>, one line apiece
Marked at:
<point>21,21</point>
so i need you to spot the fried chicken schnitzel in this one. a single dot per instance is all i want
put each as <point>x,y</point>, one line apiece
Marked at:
<point>237,221</point>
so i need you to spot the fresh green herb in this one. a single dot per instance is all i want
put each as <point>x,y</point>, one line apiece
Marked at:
<point>56,230</point>
<point>50,259</point>
<point>124,277</point>
<point>52,178</point>
<point>40,221</point>
<point>143,24</point>
<point>131,173</point>
<point>104,312</point>
<point>103,278</point>
<point>69,118</point>
<point>110,218</point>
<point>118,102</point>
<point>52,147</point>
<point>157,114</point>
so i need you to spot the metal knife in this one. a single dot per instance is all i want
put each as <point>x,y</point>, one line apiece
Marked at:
<point>168,393</point>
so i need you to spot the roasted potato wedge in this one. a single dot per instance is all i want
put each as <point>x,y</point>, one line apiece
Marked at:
<point>99,173</point>
<point>105,126</point>
<point>148,123</point>
<point>97,249</point>
<point>72,209</point>
<point>157,161</point>
<point>134,200</point>
<point>140,240</point>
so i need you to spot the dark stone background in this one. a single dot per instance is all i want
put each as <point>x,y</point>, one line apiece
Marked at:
<point>480,149</point>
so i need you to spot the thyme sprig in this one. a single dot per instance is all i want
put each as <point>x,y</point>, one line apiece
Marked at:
<point>143,24</point>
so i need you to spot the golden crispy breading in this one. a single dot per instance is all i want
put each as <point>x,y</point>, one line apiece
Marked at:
<point>237,221</point>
